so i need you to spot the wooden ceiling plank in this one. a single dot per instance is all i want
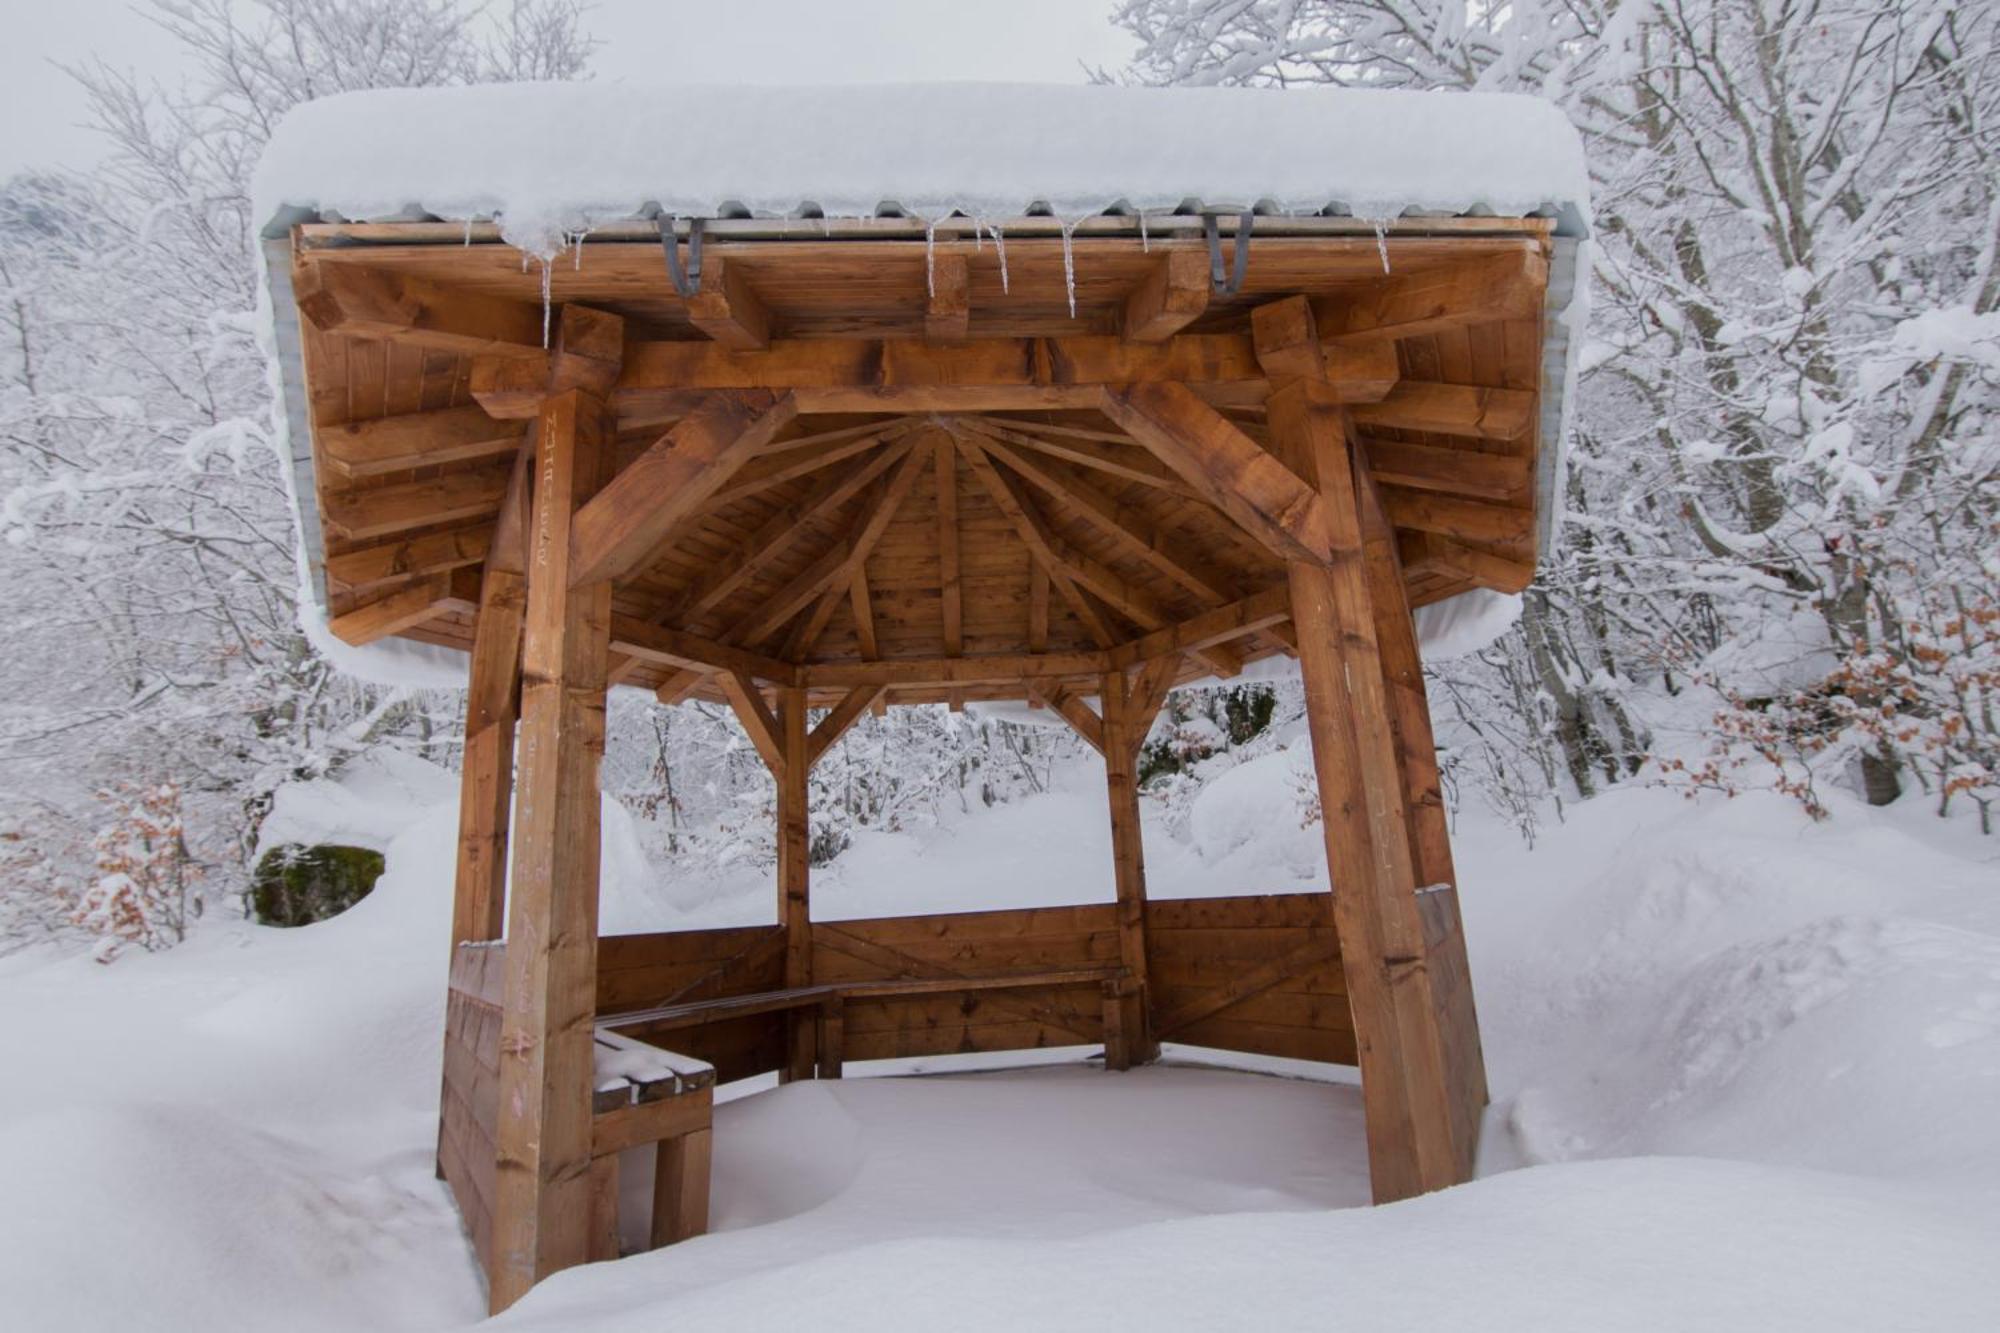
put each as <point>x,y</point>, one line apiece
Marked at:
<point>1451,409</point>
<point>412,557</point>
<point>974,669</point>
<point>949,593</point>
<point>416,439</point>
<point>1462,519</point>
<point>766,473</point>
<point>1034,531</point>
<point>1474,291</point>
<point>1489,570</point>
<point>645,504</point>
<point>1430,467</point>
<point>453,498</point>
<point>1135,465</point>
<point>394,613</point>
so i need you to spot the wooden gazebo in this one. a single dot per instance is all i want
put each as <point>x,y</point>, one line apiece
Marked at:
<point>813,467</point>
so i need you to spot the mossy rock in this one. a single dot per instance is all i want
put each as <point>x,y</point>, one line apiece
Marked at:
<point>296,885</point>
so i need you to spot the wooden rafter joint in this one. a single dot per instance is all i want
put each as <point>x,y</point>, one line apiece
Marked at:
<point>1172,296</point>
<point>728,309</point>
<point>362,302</point>
<point>759,722</point>
<point>415,439</point>
<point>1059,698</point>
<point>1287,339</point>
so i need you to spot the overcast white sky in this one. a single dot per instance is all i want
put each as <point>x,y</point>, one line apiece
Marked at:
<point>645,41</point>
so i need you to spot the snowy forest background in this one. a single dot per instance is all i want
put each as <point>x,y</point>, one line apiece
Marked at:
<point>1780,563</point>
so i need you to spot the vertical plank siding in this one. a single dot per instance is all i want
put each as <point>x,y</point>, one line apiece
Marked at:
<point>467,1156</point>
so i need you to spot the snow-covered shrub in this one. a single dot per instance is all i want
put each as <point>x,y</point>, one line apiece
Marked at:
<point>143,891</point>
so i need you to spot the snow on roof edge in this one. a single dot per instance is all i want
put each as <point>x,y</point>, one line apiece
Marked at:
<point>551,160</point>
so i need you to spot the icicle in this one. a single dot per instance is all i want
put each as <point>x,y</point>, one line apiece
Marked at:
<point>1145,242</point>
<point>1069,265</point>
<point>468,231</point>
<point>1000,249</point>
<point>930,257</point>
<point>1382,241</point>
<point>548,306</point>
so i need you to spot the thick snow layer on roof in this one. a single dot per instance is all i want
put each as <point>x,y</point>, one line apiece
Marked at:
<point>546,159</point>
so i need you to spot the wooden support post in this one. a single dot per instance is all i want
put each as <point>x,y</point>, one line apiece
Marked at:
<point>1404,1080</point>
<point>1125,724</point>
<point>542,1191</point>
<point>680,1187</point>
<point>794,890</point>
<point>1429,825</point>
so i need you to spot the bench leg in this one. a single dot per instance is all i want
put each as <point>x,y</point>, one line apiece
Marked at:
<point>801,1027</point>
<point>680,1188</point>
<point>604,1207</point>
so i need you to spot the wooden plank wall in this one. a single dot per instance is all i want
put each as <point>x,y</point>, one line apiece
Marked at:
<point>644,971</point>
<point>1202,952</point>
<point>983,944</point>
<point>471,1099</point>
<point>1200,947</point>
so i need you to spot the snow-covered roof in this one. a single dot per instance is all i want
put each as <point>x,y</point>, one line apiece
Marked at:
<point>550,159</point>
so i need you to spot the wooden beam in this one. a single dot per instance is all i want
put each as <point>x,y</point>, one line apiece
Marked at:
<point>777,535</point>
<point>1172,296</point>
<point>948,301</point>
<point>1451,409</point>
<point>949,595</point>
<point>1226,467</point>
<point>678,648</point>
<point>1038,607</point>
<point>767,472</point>
<point>977,669</point>
<point>643,509</point>
<point>1257,612</point>
<point>834,375</point>
<point>492,707</point>
<point>1068,705</point>
<point>766,733</point>
<point>680,685</point>
<point>843,715</point>
<point>1127,459</point>
<point>384,510</point>
<point>360,302</point>
<point>415,439</point>
<point>1125,525</point>
<point>392,614</point>
<point>1452,296</point>
<point>1409,1125</point>
<point>728,309</point>
<point>589,349</point>
<point>795,881</point>
<point>1288,343</point>
<point>1429,467</point>
<point>1034,530</point>
<point>541,1193</point>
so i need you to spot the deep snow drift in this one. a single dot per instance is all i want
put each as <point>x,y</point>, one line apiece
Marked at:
<point>1748,1068</point>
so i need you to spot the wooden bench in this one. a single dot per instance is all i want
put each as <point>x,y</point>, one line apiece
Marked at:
<point>1121,1006</point>
<point>643,1094</point>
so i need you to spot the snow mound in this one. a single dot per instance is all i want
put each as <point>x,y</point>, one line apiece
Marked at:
<point>374,797</point>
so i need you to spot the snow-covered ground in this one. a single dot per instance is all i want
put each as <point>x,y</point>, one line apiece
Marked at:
<point>1746,1074</point>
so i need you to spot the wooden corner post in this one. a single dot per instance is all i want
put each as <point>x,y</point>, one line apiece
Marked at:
<point>1129,707</point>
<point>1409,1022</point>
<point>794,879</point>
<point>542,1191</point>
